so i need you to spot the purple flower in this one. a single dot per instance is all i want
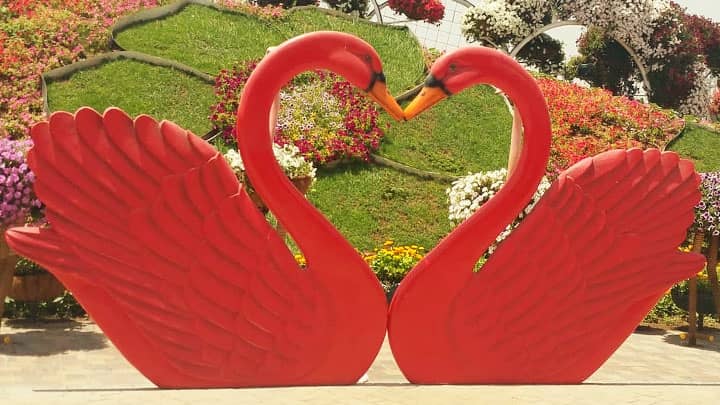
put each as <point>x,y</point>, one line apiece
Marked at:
<point>707,212</point>
<point>16,181</point>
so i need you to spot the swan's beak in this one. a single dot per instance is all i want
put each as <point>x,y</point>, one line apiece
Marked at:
<point>428,97</point>
<point>382,96</point>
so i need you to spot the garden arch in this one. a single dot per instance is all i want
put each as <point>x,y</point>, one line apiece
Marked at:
<point>565,23</point>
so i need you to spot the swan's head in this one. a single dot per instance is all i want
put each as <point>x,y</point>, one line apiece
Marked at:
<point>360,64</point>
<point>450,74</point>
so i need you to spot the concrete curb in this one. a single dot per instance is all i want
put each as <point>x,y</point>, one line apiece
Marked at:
<point>439,177</point>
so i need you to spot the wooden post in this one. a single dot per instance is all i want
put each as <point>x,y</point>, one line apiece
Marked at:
<point>8,258</point>
<point>712,260</point>
<point>692,292</point>
<point>516,141</point>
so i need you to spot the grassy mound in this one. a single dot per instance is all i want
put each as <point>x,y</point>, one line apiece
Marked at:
<point>701,145</point>
<point>211,40</point>
<point>137,88</point>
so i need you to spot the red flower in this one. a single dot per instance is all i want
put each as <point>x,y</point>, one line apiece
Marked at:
<point>586,122</point>
<point>431,11</point>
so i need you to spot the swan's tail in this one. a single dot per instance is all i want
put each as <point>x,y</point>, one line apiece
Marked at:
<point>45,247</point>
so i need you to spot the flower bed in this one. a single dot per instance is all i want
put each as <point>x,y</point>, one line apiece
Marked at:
<point>267,12</point>
<point>707,212</point>
<point>675,47</point>
<point>288,157</point>
<point>586,122</point>
<point>17,199</point>
<point>38,36</point>
<point>391,263</point>
<point>430,11</point>
<point>468,193</point>
<point>320,113</point>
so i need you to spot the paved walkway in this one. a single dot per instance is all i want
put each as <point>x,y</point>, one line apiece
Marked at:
<point>71,362</point>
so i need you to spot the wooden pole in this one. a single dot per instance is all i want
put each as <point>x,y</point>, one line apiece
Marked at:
<point>516,142</point>
<point>692,293</point>
<point>712,260</point>
<point>8,258</point>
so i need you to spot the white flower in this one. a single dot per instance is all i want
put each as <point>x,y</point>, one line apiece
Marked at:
<point>288,157</point>
<point>470,192</point>
<point>698,102</point>
<point>235,161</point>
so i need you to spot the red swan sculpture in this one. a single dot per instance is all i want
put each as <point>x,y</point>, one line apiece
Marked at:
<point>160,244</point>
<point>570,284</point>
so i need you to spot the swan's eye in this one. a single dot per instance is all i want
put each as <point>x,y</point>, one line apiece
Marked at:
<point>367,58</point>
<point>452,68</point>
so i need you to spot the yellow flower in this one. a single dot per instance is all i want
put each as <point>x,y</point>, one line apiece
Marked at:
<point>388,243</point>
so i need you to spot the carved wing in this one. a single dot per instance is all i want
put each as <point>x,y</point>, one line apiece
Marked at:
<point>573,281</point>
<point>156,218</point>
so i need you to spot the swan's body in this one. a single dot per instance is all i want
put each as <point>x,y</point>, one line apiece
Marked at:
<point>570,284</point>
<point>154,235</point>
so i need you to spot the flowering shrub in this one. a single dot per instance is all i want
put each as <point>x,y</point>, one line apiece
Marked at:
<point>497,22</point>
<point>17,200</point>
<point>707,212</point>
<point>699,98</point>
<point>228,88</point>
<point>268,12</point>
<point>349,6</point>
<point>323,115</point>
<point>287,156</point>
<point>668,41</point>
<point>105,11</point>
<point>715,105</point>
<point>632,21</point>
<point>328,119</point>
<point>391,263</point>
<point>703,283</point>
<point>431,11</point>
<point>37,36</point>
<point>285,3</point>
<point>586,122</point>
<point>468,193</point>
<point>430,55</point>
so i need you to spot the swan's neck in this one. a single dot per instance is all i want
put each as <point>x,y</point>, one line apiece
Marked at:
<point>313,233</point>
<point>472,238</point>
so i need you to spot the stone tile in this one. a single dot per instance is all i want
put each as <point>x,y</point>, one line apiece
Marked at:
<point>73,363</point>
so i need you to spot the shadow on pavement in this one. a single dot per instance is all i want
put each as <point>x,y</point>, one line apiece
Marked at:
<point>650,330</point>
<point>702,342</point>
<point>46,338</point>
<point>42,324</point>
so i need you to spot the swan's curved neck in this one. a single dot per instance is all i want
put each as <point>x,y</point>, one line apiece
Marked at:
<point>288,205</point>
<point>472,238</point>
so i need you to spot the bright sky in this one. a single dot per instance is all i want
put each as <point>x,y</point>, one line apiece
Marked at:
<point>706,8</point>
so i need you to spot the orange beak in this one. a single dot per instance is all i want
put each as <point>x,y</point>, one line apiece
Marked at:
<point>382,96</point>
<point>428,97</point>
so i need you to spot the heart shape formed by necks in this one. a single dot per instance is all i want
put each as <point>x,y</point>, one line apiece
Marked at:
<point>566,288</point>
